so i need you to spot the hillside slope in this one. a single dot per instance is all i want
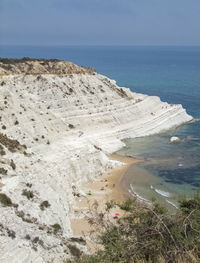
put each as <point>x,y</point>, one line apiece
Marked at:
<point>58,122</point>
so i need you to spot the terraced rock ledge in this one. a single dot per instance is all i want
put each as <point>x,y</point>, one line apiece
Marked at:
<point>58,123</point>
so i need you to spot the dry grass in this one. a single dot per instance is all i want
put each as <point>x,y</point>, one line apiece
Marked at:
<point>11,144</point>
<point>41,66</point>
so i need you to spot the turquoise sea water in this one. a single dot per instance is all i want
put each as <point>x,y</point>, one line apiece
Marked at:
<point>173,74</point>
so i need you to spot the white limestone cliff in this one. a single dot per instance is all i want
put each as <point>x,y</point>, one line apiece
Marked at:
<point>65,125</point>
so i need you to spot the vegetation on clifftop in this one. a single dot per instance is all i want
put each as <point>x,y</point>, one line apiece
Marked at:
<point>38,66</point>
<point>25,59</point>
<point>148,234</point>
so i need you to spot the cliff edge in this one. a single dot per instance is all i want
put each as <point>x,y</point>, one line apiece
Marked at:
<point>58,122</point>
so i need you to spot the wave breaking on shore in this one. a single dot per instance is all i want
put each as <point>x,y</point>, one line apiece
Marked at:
<point>58,124</point>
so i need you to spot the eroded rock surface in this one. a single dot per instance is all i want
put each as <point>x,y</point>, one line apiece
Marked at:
<point>58,122</point>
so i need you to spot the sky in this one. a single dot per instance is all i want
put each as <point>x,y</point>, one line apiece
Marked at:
<point>100,22</point>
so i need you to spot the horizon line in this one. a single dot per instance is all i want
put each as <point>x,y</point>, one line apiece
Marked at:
<point>103,45</point>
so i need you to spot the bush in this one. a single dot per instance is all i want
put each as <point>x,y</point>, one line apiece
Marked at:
<point>3,171</point>
<point>127,205</point>
<point>74,251</point>
<point>98,148</point>
<point>188,205</point>
<point>27,237</point>
<point>29,194</point>
<point>11,234</point>
<point>5,200</point>
<point>36,239</point>
<point>25,59</point>
<point>90,259</point>
<point>2,151</point>
<point>110,205</point>
<point>13,165</point>
<point>122,93</point>
<point>10,144</point>
<point>56,228</point>
<point>79,240</point>
<point>149,234</point>
<point>71,126</point>
<point>44,204</point>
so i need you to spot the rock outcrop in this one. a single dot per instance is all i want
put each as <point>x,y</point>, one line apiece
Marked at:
<point>58,122</point>
<point>175,139</point>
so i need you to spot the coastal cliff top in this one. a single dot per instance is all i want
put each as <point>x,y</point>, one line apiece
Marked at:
<point>40,66</point>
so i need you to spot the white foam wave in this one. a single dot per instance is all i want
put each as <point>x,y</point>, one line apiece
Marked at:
<point>137,195</point>
<point>171,203</point>
<point>163,193</point>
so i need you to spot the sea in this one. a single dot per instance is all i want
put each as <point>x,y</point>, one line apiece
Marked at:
<point>167,171</point>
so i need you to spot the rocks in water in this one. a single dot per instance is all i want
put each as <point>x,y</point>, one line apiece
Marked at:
<point>59,121</point>
<point>175,139</point>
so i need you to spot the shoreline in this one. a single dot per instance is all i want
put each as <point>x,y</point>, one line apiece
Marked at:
<point>71,122</point>
<point>109,186</point>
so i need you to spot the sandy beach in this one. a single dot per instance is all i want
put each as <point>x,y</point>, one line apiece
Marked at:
<point>110,186</point>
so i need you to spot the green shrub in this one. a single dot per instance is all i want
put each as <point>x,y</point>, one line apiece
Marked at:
<point>122,92</point>
<point>79,240</point>
<point>10,144</point>
<point>71,126</point>
<point>3,171</point>
<point>74,251</point>
<point>35,240</point>
<point>11,233</point>
<point>44,204</point>
<point>27,237</point>
<point>110,205</point>
<point>90,259</point>
<point>29,194</point>
<point>25,59</point>
<point>13,165</point>
<point>149,234</point>
<point>2,152</point>
<point>5,200</point>
<point>56,228</point>
<point>188,205</point>
<point>98,148</point>
<point>127,205</point>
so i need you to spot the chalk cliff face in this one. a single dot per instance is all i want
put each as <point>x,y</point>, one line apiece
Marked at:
<point>58,122</point>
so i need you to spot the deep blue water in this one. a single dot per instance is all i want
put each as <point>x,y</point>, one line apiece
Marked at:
<point>172,73</point>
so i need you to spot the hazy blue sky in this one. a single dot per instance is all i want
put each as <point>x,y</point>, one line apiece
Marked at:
<point>100,22</point>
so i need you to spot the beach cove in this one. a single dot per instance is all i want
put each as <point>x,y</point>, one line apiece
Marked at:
<point>108,187</point>
<point>64,124</point>
<point>123,182</point>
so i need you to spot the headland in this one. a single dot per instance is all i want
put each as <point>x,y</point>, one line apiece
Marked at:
<point>59,125</point>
